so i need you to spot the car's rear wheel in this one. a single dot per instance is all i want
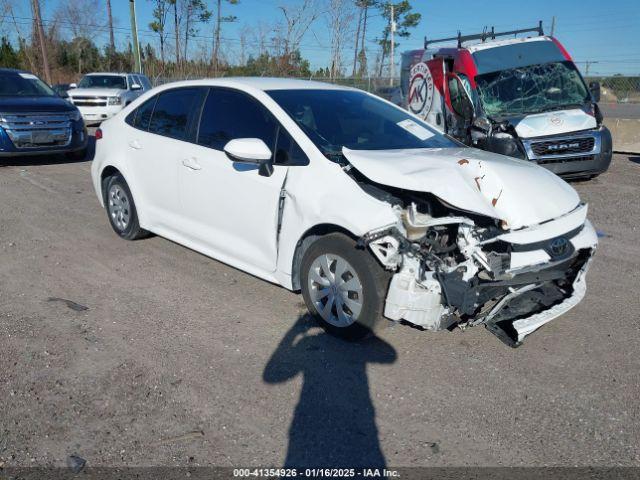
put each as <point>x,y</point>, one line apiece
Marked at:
<point>344,287</point>
<point>121,209</point>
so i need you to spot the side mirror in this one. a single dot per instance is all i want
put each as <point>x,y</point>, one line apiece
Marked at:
<point>136,86</point>
<point>459,98</point>
<point>594,87</point>
<point>482,123</point>
<point>73,85</point>
<point>252,151</point>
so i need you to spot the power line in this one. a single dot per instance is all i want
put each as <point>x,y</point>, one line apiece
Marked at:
<point>141,32</point>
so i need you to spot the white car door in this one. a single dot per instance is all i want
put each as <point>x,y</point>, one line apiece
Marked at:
<point>231,209</point>
<point>157,144</point>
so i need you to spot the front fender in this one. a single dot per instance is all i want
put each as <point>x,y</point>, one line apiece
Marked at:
<point>340,204</point>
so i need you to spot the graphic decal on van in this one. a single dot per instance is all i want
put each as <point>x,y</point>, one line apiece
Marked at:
<point>420,89</point>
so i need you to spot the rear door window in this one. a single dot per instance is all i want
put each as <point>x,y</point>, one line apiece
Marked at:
<point>141,116</point>
<point>230,114</point>
<point>174,112</point>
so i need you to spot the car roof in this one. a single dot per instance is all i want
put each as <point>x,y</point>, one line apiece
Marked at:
<point>488,44</point>
<point>12,70</point>
<point>260,83</point>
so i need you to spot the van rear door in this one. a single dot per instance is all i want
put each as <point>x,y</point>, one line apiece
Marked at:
<point>426,91</point>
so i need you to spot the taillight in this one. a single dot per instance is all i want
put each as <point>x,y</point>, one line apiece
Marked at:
<point>98,134</point>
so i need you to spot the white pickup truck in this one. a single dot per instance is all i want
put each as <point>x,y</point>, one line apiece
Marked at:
<point>99,96</point>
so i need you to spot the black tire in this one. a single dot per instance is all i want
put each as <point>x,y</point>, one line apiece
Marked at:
<point>78,155</point>
<point>131,229</point>
<point>373,278</point>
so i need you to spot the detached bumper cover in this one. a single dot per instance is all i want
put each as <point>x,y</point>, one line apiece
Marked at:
<point>513,328</point>
<point>513,332</point>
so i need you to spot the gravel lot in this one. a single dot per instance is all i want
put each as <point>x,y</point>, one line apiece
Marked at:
<point>181,360</point>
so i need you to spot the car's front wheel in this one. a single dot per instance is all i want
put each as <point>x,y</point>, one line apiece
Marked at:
<point>121,209</point>
<point>343,286</point>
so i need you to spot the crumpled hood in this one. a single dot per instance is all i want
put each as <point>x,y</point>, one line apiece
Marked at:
<point>518,192</point>
<point>554,123</point>
<point>95,92</point>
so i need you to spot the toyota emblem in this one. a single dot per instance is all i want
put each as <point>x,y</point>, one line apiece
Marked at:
<point>558,246</point>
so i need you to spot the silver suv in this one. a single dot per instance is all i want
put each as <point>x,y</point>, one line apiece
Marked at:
<point>99,96</point>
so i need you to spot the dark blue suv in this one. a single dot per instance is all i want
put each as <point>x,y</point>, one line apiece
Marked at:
<point>35,121</point>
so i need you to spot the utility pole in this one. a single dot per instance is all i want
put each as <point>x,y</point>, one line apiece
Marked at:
<point>553,25</point>
<point>112,41</point>
<point>392,65</point>
<point>134,36</point>
<point>355,53</point>
<point>216,45</point>
<point>41,40</point>
<point>586,69</point>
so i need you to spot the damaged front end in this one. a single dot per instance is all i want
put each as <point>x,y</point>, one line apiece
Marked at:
<point>456,268</point>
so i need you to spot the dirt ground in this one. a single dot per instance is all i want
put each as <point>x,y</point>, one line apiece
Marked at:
<point>168,357</point>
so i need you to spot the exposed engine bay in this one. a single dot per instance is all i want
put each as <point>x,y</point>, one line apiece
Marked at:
<point>456,268</point>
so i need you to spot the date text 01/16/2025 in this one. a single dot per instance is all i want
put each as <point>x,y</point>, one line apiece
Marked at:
<point>315,472</point>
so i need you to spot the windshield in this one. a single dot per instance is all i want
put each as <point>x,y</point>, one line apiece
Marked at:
<point>341,118</point>
<point>103,81</point>
<point>19,84</point>
<point>532,89</point>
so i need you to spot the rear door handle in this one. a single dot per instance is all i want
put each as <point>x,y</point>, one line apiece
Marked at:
<point>135,144</point>
<point>191,163</point>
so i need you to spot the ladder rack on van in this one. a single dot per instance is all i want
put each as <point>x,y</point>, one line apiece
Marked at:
<point>485,35</point>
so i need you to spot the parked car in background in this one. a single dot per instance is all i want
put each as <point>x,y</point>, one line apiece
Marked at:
<point>99,96</point>
<point>522,97</point>
<point>361,205</point>
<point>35,120</point>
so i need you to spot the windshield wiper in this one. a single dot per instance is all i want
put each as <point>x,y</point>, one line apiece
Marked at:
<point>334,155</point>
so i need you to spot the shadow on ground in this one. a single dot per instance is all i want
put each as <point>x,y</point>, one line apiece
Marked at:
<point>334,422</point>
<point>634,159</point>
<point>58,159</point>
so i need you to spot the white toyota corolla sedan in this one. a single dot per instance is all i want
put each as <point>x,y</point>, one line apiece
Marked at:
<point>357,203</point>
